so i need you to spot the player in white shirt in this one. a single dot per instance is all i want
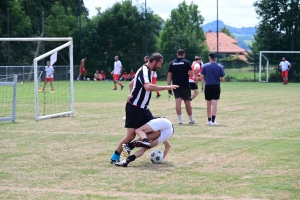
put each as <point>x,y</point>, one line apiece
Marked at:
<point>158,131</point>
<point>117,72</point>
<point>193,80</point>
<point>285,66</point>
<point>49,77</point>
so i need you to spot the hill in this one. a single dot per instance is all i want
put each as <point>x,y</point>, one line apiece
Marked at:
<point>244,35</point>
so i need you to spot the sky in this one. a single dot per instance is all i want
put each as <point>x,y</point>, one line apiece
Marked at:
<point>236,13</point>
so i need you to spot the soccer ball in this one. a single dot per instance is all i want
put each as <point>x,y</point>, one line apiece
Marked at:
<point>156,156</point>
<point>88,79</point>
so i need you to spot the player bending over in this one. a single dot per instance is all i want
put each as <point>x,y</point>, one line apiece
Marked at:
<point>49,77</point>
<point>158,130</point>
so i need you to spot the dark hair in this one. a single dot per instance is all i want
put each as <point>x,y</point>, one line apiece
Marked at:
<point>180,52</point>
<point>198,58</point>
<point>156,56</point>
<point>147,57</point>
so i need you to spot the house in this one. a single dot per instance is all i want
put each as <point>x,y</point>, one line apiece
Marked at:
<point>227,45</point>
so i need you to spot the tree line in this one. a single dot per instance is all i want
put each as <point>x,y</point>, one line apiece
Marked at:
<point>131,32</point>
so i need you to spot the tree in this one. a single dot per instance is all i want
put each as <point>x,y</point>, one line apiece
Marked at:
<point>226,31</point>
<point>120,30</point>
<point>183,30</point>
<point>278,29</point>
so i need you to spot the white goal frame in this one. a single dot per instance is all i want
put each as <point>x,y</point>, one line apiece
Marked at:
<point>69,43</point>
<point>261,54</point>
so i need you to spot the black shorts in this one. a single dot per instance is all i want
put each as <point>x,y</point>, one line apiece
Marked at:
<point>185,94</point>
<point>212,92</point>
<point>193,86</point>
<point>136,116</point>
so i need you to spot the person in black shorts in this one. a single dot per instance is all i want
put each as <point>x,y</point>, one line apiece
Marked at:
<point>213,73</point>
<point>178,73</point>
<point>137,106</point>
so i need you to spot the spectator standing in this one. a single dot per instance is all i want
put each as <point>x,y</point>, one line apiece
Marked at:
<point>285,66</point>
<point>116,73</point>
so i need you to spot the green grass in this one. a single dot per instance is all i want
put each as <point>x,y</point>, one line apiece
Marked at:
<point>253,154</point>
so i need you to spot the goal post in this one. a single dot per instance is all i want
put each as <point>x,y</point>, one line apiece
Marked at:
<point>13,100</point>
<point>261,56</point>
<point>60,102</point>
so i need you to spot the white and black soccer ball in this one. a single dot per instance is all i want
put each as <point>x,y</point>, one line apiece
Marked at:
<point>88,79</point>
<point>156,156</point>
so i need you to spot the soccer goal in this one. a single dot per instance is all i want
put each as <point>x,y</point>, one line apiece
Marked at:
<point>265,59</point>
<point>8,102</point>
<point>36,97</point>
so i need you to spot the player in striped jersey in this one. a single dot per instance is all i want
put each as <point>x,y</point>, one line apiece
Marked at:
<point>137,106</point>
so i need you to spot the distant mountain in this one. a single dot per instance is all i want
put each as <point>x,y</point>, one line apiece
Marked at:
<point>243,35</point>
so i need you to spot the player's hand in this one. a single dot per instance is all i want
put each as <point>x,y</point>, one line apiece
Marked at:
<point>129,96</point>
<point>172,87</point>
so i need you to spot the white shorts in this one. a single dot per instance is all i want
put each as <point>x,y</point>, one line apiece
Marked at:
<point>164,126</point>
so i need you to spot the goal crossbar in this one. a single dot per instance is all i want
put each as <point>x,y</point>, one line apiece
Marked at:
<point>260,60</point>
<point>37,39</point>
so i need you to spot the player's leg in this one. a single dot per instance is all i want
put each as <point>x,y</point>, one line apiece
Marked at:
<point>78,78</point>
<point>129,137</point>
<point>51,84</point>
<point>45,83</point>
<point>195,94</point>
<point>84,75</point>
<point>186,95</point>
<point>143,130</point>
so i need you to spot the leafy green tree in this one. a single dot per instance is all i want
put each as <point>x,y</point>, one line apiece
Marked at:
<point>120,30</point>
<point>183,30</point>
<point>277,30</point>
<point>61,22</point>
<point>226,31</point>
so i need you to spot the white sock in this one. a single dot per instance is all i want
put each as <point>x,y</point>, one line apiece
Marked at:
<point>191,118</point>
<point>179,118</point>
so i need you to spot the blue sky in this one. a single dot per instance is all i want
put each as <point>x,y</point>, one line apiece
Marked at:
<point>236,13</point>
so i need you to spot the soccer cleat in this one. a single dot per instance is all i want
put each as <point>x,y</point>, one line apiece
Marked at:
<point>122,163</point>
<point>41,90</point>
<point>210,123</point>
<point>115,89</point>
<point>193,122</point>
<point>144,144</point>
<point>126,150</point>
<point>122,87</point>
<point>114,158</point>
<point>52,91</point>
<point>158,96</point>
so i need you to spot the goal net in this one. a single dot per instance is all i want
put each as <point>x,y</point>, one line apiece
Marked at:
<point>8,89</point>
<point>269,63</point>
<point>35,97</point>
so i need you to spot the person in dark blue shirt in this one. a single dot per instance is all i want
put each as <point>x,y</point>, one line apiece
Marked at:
<point>179,71</point>
<point>213,73</point>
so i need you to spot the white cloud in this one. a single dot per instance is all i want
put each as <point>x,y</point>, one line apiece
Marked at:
<point>236,13</point>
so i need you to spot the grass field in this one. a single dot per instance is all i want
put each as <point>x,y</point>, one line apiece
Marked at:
<point>254,153</point>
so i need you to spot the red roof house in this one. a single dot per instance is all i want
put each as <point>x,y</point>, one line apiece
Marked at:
<point>227,45</point>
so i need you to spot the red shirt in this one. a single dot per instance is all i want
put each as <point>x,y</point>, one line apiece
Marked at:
<point>103,75</point>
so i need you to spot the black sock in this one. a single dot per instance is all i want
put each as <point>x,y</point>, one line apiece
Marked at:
<point>209,119</point>
<point>131,145</point>
<point>145,140</point>
<point>130,158</point>
<point>117,153</point>
<point>213,118</point>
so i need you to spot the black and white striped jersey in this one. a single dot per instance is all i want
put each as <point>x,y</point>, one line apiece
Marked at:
<point>141,97</point>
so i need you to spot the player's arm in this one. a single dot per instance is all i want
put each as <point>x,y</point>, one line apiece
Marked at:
<point>167,148</point>
<point>152,87</point>
<point>191,73</point>
<point>195,76</point>
<point>131,85</point>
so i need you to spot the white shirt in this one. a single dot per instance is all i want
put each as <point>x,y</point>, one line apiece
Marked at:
<point>284,65</point>
<point>192,78</point>
<point>49,71</point>
<point>153,74</point>
<point>117,67</point>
